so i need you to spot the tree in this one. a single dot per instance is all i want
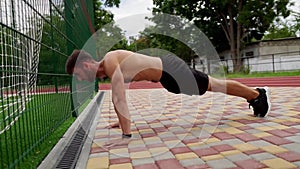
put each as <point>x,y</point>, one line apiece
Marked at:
<point>228,21</point>
<point>108,35</point>
<point>280,30</point>
<point>102,16</point>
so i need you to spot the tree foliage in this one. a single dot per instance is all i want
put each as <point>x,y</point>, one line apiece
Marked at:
<point>228,22</point>
<point>108,35</point>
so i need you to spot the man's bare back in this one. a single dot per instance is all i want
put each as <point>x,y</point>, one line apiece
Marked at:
<point>134,66</point>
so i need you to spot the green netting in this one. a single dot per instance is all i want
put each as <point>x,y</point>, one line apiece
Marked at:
<point>36,37</point>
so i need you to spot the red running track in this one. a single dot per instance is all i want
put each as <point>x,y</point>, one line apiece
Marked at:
<point>291,81</point>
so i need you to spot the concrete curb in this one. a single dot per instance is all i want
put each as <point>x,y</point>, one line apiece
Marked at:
<point>52,157</point>
<point>85,152</point>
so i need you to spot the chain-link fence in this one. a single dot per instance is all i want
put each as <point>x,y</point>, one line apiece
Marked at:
<point>36,37</point>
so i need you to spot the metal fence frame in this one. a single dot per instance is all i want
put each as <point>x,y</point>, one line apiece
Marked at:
<point>273,62</point>
<point>66,25</point>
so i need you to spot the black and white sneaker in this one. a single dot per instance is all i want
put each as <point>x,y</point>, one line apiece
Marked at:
<point>261,105</point>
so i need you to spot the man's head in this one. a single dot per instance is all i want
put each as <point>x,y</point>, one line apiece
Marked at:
<point>82,65</point>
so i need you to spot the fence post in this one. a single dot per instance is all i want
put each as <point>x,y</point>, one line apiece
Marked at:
<point>273,62</point>
<point>208,66</point>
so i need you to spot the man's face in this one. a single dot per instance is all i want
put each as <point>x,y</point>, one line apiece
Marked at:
<point>83,73</point>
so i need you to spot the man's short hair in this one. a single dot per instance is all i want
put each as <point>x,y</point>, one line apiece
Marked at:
<point>77,56</point>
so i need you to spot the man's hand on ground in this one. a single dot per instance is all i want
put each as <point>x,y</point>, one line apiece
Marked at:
<point>118,142</point>
<point>113,125</point>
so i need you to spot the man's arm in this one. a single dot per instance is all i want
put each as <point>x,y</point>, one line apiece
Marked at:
<point>119,100</point>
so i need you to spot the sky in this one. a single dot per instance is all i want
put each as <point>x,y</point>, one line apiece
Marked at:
<point>129,15</point>
<point>131,7</point>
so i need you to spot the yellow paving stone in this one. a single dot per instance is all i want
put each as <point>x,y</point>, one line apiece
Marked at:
<point>196,129</point>
<point>231,152</point>
<point>212,129</point>
<point>136,142</point>
<point>182,136</point>
<point>278,163</point>
<point>152,139</point>
<point>262,134</point>
<point>95,145</point>
<point>211,140</point>
<point>232,130</point>
<point>217,130</point>
<point>101,132</point>
<point>140,122</point>
<point>172,142</point>
<point>294,119</point>
<point>251,118</point>
<point>158,150</point>
<point>265,128</point>
<point>212,157</point>
<point>210,120</point>
<point>184,156</point>
<point>119,150</point>
<point>146,131</point>
<point>235,118</point>
<point>121,166</point>
<point>140,154</point>
<point>245,147</point>
<point>281,127</point>
<point>235,124</point>
<point>279,120</point>
<point>273,149</point>
<point>197,144</point>
<point>97,163</point>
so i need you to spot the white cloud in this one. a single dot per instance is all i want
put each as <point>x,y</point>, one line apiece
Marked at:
<point>130,16</point>
<point>131,7</point>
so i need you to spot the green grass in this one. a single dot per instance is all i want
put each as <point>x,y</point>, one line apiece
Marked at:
<point>44,121</point>
<point>263,74</point>
<point>43,115</point>
<point>36,157</point>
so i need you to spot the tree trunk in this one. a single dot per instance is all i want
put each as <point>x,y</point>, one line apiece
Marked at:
<point>239,63</point>
<point>233,48</point>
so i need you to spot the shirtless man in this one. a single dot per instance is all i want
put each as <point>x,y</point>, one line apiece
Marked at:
<point>124,66</point>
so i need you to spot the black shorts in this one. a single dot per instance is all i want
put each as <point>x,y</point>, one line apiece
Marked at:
<point>178,77</point>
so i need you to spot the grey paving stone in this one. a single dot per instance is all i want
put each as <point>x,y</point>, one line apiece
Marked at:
<point>253,131</point>
<point>164,156</point>
<point>221,164</point>
<point>149,141</point>
<point>292,147</point>
<point>166,134</point>
<point>271,124</point>
<point>136,145</point>
<point>262,156</point>
<point>175,145</point>
<point>256,125</point>
<point>141,161</point>
<point>260,143</point>
<point>295,139</point>
<point>233,141</point>
<point>238,157</point>
<point>297,163</point>
<point>95,155</point>
<point>191,162</point>
<point>119,155</point>
<point>297,126</point>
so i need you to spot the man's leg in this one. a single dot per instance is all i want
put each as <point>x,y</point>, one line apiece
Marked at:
<point>232,87</point>
<point>258,98</point>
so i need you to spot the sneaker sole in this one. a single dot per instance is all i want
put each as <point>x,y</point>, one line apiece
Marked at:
<point>268,100</point>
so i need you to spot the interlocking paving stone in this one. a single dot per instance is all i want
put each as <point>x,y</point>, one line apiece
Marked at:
<point>221,163</point>
<point>262,156</point>
<point>179,131</point>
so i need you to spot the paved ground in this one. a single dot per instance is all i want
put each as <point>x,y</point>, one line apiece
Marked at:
<point>209,131</point>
